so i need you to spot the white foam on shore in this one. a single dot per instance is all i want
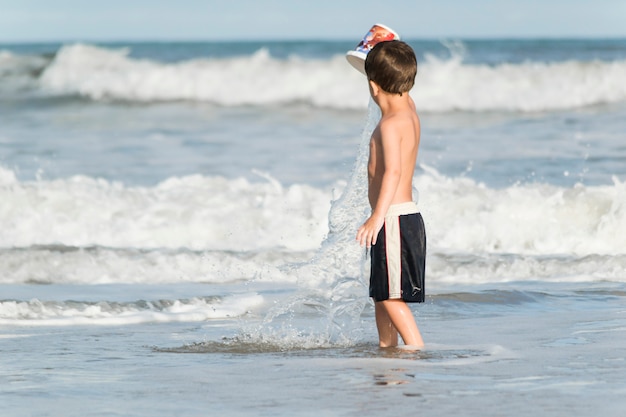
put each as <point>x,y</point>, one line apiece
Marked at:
<point>69,313</point>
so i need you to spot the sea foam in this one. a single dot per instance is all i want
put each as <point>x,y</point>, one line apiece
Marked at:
<point>193,212</point>
<point>83,230</point>
<point>67,313</point>
<point>219,214</point>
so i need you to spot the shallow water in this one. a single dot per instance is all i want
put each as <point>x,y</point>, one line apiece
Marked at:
<point>552,351</point>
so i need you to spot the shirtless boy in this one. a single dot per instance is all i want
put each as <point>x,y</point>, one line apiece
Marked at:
<point>395,229</point>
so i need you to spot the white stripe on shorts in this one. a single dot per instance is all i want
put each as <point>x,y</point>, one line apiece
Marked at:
<point>393,245</point>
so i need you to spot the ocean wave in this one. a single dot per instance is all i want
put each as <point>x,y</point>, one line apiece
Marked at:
<point>194,212</point>
<point>68,313</point>
<point>104,266</point>
<point>534,218</point>
<point>259,79</point>
<point>213,229</point>
<point>43,265</point>
<point>20,72</point>
<point>220,214</point>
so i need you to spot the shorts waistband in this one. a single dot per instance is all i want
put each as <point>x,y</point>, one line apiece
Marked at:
<point>402,209</point>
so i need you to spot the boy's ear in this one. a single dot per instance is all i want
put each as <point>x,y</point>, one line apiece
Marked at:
<point>374,88</point>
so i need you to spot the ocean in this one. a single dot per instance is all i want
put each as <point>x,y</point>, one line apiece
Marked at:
<point>178,228</point>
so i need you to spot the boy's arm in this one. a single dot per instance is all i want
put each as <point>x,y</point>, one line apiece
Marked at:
<point>392,163</point>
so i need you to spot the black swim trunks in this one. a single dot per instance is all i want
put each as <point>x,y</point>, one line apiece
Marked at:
<point>399,256</point>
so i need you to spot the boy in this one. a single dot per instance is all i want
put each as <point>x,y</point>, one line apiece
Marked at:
<point>395,230</point>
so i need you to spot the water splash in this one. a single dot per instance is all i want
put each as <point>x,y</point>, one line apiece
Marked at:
<point>326,309</point>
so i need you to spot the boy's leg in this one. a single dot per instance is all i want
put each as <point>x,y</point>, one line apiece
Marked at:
<point>387,333</point>
<point>399,316</point>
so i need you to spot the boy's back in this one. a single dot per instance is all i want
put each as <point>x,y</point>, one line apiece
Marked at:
<point>401,132</point>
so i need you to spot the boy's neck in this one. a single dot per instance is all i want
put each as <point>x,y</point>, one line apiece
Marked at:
<point>390,103</point>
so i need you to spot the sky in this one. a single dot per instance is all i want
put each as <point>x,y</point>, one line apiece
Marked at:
<point>111,20</point>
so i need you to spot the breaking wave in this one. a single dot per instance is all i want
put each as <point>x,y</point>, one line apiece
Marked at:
<point>258,79</point>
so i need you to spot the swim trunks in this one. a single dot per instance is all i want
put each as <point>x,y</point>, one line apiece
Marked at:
<point>398,258</point>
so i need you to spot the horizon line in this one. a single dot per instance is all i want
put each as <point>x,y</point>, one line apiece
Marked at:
<point>302,39</point>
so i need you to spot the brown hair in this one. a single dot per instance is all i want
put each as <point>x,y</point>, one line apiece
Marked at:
<point>392,65</point>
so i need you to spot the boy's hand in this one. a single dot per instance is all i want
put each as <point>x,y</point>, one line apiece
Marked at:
<point>368,233</point>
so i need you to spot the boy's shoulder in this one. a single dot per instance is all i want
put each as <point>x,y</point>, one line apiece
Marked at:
<point>399,119</point>
<point>398,126</point>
